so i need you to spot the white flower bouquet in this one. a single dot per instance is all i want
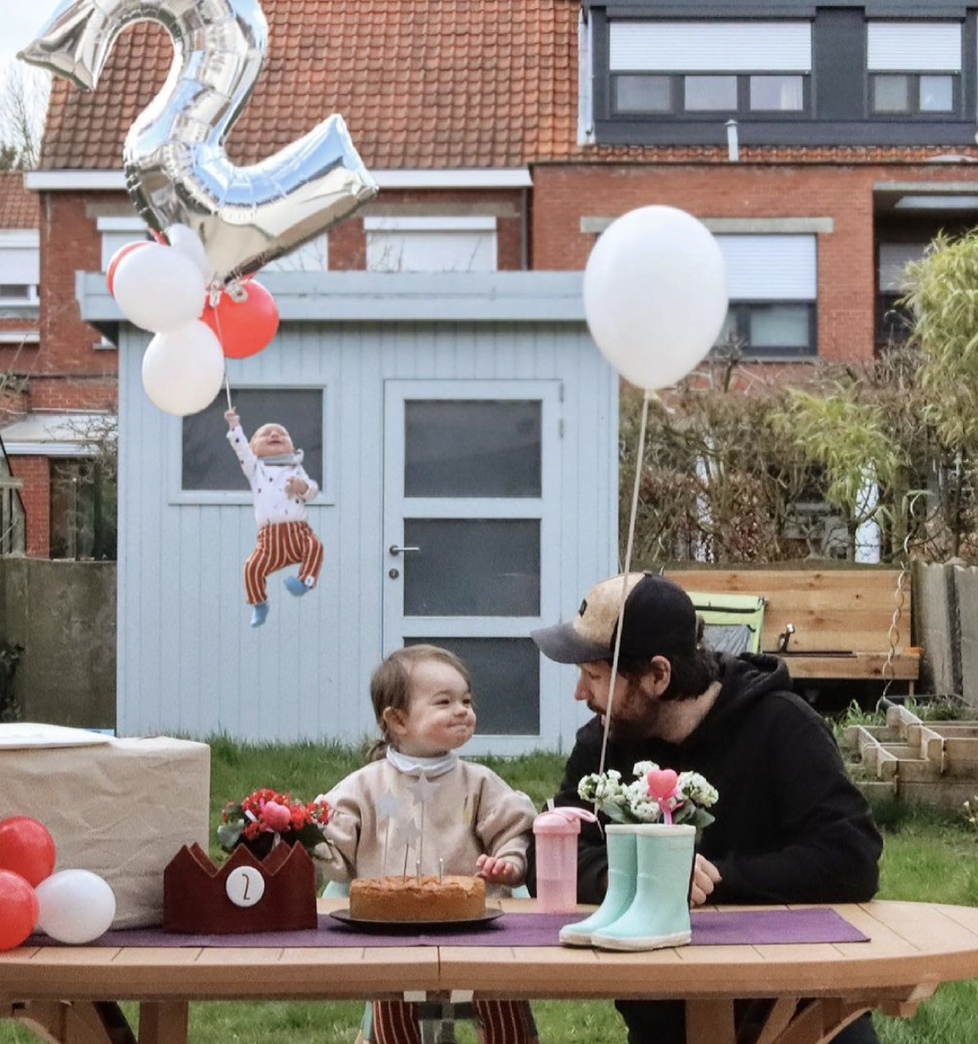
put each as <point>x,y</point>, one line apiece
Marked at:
<point>656,795</point>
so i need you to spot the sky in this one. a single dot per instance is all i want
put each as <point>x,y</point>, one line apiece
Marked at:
<point>20,22</point>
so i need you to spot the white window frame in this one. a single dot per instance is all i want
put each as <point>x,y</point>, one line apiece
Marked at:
<point>177,495</point>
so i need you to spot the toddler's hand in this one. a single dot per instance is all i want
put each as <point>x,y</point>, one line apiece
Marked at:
<point>296,487</point>
<point>231,416</point>
<point>499,871</point>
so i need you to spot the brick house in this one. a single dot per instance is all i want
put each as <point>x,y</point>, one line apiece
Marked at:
<point>823,143</point>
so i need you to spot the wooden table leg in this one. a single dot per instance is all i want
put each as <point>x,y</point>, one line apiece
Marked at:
<point>710,1022</point>
<point>816,1021</point>
<point>163,1023</point>
<point>66,1022</point>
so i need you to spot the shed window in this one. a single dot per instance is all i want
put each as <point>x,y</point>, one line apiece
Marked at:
<point>209,462</point>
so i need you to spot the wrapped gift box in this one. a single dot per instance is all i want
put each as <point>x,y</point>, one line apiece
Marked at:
<point>118,807</point>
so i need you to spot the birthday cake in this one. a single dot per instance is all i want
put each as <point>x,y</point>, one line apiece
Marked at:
<point>448,898</point>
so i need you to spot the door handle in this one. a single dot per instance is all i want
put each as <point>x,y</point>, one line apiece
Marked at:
<point>395,550</point>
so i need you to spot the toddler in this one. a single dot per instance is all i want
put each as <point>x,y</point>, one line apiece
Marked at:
<point>472,821</point>
<point>281,489</point>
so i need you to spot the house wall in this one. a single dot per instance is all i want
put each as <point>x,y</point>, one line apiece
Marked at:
<point>188,660</point>
<point>563,195</point>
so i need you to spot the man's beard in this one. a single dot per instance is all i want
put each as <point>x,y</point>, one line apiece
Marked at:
<point>634,713</point>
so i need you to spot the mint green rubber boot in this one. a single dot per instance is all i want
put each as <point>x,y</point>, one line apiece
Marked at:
<point>659,914</point>
<point>621,887</point>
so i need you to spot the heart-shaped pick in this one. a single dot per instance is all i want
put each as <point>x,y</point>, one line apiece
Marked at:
<point>661,783</point>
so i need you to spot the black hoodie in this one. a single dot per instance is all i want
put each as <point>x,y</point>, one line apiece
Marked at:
<point>790,826</point>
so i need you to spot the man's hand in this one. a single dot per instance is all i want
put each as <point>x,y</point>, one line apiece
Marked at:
<point>705,878</point>
<point>231,416</point>
<point>498,870</point>
<point>296,487</point>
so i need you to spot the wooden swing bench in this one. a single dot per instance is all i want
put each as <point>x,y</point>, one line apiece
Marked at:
<point>841,618</point>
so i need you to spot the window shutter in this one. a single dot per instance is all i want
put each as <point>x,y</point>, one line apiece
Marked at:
<point>771,268</point>
<point>711,46</point>
<point>914,46</point>
<point>20,266</point>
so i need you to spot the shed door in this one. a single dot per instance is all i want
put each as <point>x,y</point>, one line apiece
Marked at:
<point>471,506</point>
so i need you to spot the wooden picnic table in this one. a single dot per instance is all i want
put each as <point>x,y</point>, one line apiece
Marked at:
<point>805,993</point>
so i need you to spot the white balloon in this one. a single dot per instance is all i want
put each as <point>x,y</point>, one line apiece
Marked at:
<point>186,240</point>
<point>159,288</point>
<point>655,294</point>
<point>183,369</point>
<point>76,906</point>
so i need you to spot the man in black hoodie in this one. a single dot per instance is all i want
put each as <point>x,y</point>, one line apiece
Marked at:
<point>790,826</point>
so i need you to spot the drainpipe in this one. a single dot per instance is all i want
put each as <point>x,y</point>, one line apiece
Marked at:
<point>525,229</point>
<point>733,143</point>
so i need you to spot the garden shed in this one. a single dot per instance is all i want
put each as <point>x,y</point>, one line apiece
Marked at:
<point>463,430</point>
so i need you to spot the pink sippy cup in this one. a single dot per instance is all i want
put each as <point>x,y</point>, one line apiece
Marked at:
<point>555,832</point>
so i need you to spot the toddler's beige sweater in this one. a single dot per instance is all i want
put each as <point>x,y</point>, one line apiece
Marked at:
<point>470,812</point>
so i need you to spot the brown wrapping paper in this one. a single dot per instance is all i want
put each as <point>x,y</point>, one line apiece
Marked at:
<point>121,808</point>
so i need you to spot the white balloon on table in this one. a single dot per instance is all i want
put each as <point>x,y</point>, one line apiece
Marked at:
<point>655,294</point>
<point>159,288</point>
<point>183,369</point>
<point>76,906</point>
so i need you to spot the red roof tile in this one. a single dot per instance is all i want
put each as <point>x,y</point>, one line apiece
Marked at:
<point>421,83</point>
<point>18,205</point>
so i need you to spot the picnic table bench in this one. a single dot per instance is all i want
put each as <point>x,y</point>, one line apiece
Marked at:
<point>840,618</point>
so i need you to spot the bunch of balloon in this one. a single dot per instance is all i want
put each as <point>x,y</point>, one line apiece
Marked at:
<point>655,300</point>
<point>162,288</point>
<point>71,906</point>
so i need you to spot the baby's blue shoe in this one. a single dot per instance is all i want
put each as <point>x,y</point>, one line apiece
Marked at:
<point>296,586</point>
<point>258,614</point>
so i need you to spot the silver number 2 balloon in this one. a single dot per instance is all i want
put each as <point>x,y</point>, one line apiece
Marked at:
<point>176,168</point>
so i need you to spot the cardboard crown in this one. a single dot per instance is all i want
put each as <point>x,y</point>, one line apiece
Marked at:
<point>196,900</point>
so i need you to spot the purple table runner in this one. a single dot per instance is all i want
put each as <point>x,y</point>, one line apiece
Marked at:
<point>710,928</point>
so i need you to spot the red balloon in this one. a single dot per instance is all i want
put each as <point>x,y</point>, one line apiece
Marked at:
<point>18,910</point>
<point>116,258</point>
<point>244,327</point>
<point>26,848</point>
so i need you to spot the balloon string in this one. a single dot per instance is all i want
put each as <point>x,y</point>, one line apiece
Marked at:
<point>639,460</point>
<point>220,337</point>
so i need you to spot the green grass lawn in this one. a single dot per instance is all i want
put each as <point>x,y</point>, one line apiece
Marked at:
<point>927,856</point>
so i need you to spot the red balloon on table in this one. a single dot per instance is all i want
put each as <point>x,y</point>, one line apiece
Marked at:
<point>117,258</point>
<point>18,910</point>
<point>244,327</point>
<point>26,848</point>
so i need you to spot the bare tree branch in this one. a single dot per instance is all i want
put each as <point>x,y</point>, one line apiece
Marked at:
<point>23,101</point>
